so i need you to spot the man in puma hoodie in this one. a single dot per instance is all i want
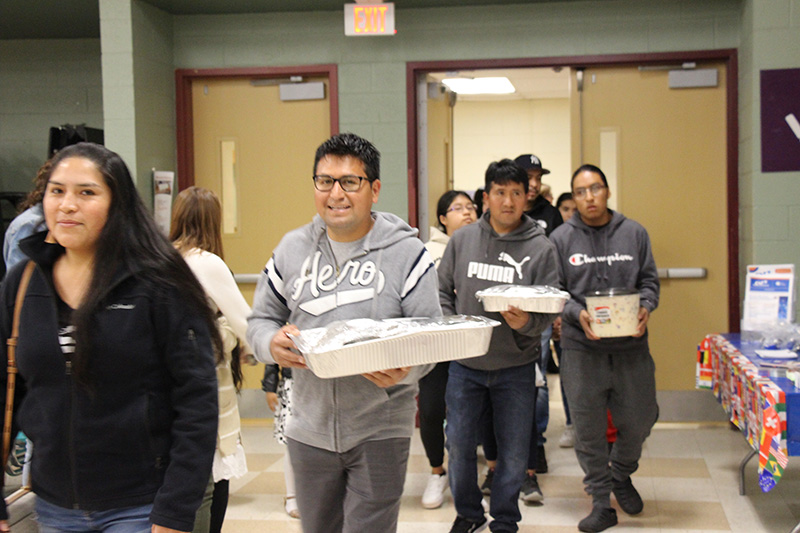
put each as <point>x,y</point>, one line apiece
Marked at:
<point>600,249</point>
<point>348,438</point>
<point>503,247</point>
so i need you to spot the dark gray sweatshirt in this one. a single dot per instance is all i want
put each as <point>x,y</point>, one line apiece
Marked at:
<point>478,258</point>
<point>616,255</point>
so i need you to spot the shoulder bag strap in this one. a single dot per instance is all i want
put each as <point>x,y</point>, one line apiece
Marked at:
<point>12,359</point>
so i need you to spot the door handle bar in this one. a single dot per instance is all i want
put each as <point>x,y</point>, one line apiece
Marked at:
<point>246,278</point>
<point>682,273</point>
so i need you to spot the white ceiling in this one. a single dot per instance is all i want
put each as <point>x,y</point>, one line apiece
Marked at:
<point>530,83</point>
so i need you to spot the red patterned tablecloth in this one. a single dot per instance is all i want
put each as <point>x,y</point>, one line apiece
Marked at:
<point>754,403</point>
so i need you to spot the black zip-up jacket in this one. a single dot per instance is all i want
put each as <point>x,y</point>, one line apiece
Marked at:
<point>544,214</point>
<point>147,432</point>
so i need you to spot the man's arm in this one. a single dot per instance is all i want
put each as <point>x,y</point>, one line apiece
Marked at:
<point>270,314</point>
<point>419,298</point>
<point>447,295</point>
<point>647,282</point>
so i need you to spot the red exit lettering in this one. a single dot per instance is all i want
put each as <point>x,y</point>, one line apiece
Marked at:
<point>370,19</point>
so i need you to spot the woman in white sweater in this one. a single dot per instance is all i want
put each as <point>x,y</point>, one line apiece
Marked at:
<point>454,210</point>
<point>195,232</point>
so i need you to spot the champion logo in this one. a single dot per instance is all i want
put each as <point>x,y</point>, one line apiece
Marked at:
<point>583,259</point>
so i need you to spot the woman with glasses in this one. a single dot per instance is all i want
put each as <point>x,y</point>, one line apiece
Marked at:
<point>454,210</point>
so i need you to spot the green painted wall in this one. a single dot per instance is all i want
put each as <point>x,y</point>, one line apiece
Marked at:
<point>372,69</point>
<point>769,202</point>
<point>43,83</point>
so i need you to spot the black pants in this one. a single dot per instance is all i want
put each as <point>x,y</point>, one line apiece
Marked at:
<point>219,504</point>
<point>432,412</point>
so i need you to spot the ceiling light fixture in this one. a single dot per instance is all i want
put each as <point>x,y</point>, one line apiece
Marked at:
<point>498,85</point>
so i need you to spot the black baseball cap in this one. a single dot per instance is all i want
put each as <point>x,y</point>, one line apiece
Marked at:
<point>530,162</point>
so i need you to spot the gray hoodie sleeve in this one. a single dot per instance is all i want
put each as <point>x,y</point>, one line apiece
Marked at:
<point>647,282</point>
<point>422,301</point>
<point>447,295</point>
<point>270,312</point>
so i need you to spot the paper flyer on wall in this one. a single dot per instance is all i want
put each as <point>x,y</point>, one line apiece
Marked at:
<point>163,182</point>
<point>769,296</point>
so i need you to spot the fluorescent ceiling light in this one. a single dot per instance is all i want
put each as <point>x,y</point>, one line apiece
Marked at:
<point>499,85</point>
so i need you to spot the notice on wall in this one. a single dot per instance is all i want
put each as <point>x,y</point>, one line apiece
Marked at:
<point>163,183</point>
<point>769,296</point>
<point>780,120</point>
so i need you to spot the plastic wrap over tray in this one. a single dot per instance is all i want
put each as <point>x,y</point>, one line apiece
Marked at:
<point>531,298</point>
<point>364,345</point>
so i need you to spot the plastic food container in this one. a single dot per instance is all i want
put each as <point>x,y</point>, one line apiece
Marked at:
<point>364,345</point>
<point>614,312</point>
<point>531,298</point>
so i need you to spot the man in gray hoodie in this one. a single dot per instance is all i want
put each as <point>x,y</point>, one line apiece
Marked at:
<point>503,247</point>
<point>600,249</point>
<point>348,438</point>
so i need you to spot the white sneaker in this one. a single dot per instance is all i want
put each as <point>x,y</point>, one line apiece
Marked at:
<point>290,505</point>
<point>567,439</point>
<point>433,497</point>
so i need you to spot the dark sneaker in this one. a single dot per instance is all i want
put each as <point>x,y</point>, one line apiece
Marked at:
<point>486,486</point>
<point>627,496</point>
<point>530,491</point>
<point>541,461</point>
<point>600,519</point>
<point>462,525</point>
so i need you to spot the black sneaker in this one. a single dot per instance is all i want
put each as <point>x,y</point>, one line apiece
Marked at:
<point>627,496</point>
<point>530,491</point>
<point>600,519</point>
<point>541,461</point>
<point>486,486</point>
<point>462,525</point>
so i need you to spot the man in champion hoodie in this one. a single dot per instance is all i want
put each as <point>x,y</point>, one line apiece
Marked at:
<point>601,249</point>
<point>503,247</point>
<point>348,438</point>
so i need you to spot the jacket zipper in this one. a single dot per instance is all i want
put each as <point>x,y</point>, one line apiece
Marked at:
<point>71,436</point>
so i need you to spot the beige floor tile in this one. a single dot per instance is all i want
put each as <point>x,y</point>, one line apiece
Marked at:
<point>672,467</point>
<point>265,483</point>
<point>692,515</point>
<point>272,526</point>
<point>258,462</point>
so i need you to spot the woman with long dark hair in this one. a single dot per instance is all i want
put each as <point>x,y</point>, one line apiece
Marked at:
<point>116,355</point>
<point>195,232</point>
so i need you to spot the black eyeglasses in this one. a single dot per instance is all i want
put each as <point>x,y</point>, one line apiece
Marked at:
<point>595,189</point>
<point>325,183</point>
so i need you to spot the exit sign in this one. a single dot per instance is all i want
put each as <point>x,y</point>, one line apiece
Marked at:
<point>369,19</point>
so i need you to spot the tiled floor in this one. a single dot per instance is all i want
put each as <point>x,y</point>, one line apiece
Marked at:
<point>688,479</point>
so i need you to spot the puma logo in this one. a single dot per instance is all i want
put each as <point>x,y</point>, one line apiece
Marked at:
<point>510,260</point>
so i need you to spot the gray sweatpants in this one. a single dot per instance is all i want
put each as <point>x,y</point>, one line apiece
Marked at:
<point>623,383</point>
<point>356,491</point>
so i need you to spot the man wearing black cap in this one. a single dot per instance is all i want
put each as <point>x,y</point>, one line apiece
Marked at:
<point>538,208</point>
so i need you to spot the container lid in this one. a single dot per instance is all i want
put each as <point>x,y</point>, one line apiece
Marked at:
<point>613,292</point>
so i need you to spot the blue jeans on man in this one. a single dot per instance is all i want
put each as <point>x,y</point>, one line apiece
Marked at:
<point>469,393</point>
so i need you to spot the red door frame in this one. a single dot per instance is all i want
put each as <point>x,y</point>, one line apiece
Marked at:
<point>413,69</point>
<point>183,102</point>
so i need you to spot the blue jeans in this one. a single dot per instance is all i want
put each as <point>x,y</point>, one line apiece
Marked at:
<point>542,416</point>
<point>54,519</point>
<point>469,393</point>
